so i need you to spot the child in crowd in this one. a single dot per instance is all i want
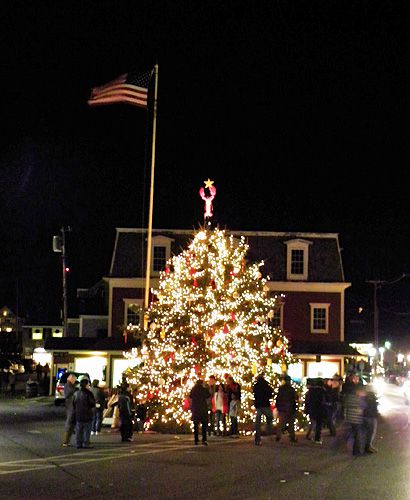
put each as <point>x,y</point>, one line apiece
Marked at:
<point>233,415</point>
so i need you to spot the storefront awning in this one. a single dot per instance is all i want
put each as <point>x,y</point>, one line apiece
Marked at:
<point>299,347</point>
<point>88,344</point>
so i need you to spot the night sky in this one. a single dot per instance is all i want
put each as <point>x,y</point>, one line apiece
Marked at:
<point>299,110</point>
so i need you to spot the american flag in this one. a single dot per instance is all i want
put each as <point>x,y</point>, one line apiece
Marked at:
<point>130,88</point>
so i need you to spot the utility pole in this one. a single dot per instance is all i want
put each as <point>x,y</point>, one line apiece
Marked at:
<point>377,284</point>
<point>59,245</point>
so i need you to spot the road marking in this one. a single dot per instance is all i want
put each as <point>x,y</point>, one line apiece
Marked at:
<point>75,459</point>
<point>83,457</point>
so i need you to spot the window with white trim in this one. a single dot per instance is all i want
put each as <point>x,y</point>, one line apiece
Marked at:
<point>160,253</point>
<point>276,320</point>
<point>133,312</point>
<point>297,259</point>
<point>319,318</point>
<point>159,258</point>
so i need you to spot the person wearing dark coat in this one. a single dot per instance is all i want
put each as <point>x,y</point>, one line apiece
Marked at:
<point>331,402</point>
<point>83,404</point>
<point>141,416</point>
<point>124,407</point>
<point>12,381</point>
<point>370,414</point>
<point>354,405</point>
<point>99,396</point>
<point>286,405</point>
<point>69,390</point>
<point>314,407</point>
<point>5,380</point>
<point>262,392</point>
<point>199,399</point>
<point>211,386</point>
<point>233,388</point>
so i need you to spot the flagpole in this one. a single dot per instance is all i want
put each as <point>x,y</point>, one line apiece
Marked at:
<point>151,199</point>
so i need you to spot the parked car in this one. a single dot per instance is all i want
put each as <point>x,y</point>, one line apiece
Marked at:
<point>60,383</point>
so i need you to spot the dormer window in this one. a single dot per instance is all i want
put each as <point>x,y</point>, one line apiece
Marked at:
<point>297,259</point>
<point>159,258</point>
<point>161,253</point>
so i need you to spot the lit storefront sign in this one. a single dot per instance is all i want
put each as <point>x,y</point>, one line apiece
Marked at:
<point>95,366</point>
<point>37,333</point>
<point>41,356</point>
<point>57,332</point>
<point>324,369</point>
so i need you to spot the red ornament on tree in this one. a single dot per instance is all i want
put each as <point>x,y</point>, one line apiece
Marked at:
<point>195,283</point>
<point>192,271</point>
<point>213,285</point>
<point>226,329</point>
<point>233,316</point>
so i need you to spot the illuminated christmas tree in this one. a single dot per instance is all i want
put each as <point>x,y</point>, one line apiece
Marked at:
<point>211,315</point>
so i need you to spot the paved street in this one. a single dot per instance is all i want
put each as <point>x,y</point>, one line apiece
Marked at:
<point>34,465</point>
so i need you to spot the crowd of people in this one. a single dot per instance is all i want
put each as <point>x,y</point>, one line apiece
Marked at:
<point>212,405</point>
<point>347,408</point>
<point>14,378</point>
<point>86,404</point>
<point>8,378</point>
